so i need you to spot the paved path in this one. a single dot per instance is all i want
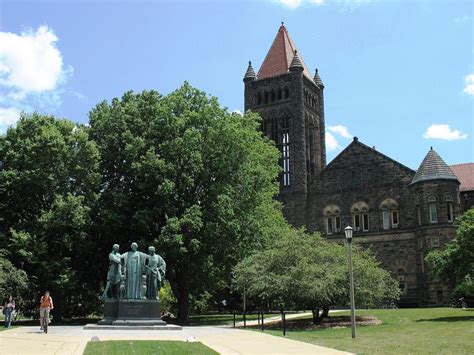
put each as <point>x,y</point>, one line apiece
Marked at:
<point>277,318</point>
<point>273,319</point>
<point>73,339</point>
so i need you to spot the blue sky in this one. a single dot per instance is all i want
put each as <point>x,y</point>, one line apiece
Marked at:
<point>397,74</point>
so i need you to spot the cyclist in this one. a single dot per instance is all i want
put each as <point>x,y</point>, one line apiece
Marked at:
<point>46,304</point>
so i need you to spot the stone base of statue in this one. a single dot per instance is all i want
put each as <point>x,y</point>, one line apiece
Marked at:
<point>132,314</point>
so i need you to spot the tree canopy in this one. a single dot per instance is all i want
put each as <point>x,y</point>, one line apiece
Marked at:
<point>455,263</point>
<point>304,271</point>
<point>183,174</point>
<point>48,186</point>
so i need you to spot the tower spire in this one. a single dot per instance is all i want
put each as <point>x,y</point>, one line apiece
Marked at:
<point>296,64</point>
<point>280,56</point>
<point>250,73</point>
<point>317,79</point>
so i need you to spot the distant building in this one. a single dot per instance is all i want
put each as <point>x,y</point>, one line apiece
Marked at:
<point>465,174</point>
<point>400,213</point>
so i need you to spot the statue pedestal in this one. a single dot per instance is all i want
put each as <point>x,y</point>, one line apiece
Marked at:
<point>131,312</point>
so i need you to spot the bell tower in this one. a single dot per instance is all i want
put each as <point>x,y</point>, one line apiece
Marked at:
<point>291,103</point>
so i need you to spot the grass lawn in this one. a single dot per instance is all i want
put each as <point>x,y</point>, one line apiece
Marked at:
<point>403,331</point>
<point>146,347</point>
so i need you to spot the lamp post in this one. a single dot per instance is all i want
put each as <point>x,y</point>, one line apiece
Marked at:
<point>348,231</point>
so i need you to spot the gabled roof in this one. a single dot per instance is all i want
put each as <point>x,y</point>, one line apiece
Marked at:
<point>280,56</point>
<point>465,175</point>
<point>433,167</point>
<point>356,142</point>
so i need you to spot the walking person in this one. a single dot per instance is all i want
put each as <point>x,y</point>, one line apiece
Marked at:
<point>46,305</point>
<point>9,307</point>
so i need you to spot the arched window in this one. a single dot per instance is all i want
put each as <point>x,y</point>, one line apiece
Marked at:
<point>402,281</point>
<point>287,93</point>
<point>259,99</point>
<point>431,200</point>
<point>360,216</point>
<point>265,100</point>
<point>279,94</point>
<point>332,216</point>
<point>390,217</point>
<point>449,208</point>
<point>273,96</point>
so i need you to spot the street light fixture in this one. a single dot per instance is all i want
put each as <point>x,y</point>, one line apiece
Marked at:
<point>348,231</point>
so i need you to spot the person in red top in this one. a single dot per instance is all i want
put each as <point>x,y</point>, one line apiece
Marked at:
<point>46,304</point>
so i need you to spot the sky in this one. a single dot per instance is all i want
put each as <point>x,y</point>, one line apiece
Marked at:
<point>399,75</point>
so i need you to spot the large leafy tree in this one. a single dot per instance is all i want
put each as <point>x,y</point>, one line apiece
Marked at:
<point>13,281</point>
<point>184,174</point>
<point>303,271</point>
<point>455,263</point>
<point>49,181</point>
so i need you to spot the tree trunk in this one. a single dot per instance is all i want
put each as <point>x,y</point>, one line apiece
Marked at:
<point>183,305</point>
<point>325,312</point>
<point>57,311</point>
<point>316,318</point>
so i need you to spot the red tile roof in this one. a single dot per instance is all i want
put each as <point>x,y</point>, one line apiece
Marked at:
<point>465,174</point>
<point>280,55</point>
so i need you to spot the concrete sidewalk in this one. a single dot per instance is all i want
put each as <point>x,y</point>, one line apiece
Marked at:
<point>73,340</point>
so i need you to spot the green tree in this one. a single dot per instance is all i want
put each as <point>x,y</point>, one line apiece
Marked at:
<point>184,174</point>
<point>13,281</point>
<point>455,263</point>
<point>49,181</point>
<point>304,271</point>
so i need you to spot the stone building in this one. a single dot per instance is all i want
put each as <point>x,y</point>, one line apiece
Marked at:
<point>401,214</point>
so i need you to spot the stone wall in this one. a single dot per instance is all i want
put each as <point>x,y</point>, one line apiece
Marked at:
<point>360,174</point>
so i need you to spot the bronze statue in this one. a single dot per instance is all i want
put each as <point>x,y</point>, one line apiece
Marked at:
<point>155,273</point>
<point>134,273</point>
<point>114,275</point>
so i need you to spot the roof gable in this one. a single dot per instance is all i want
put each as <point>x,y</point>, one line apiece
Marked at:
<point>361,147</point>
<point>280,56</point>
<point>361,168</point>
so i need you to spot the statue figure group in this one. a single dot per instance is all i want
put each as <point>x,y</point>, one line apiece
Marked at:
<point>134,275</point>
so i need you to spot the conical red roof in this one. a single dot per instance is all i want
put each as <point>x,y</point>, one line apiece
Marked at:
<point>280,55</point>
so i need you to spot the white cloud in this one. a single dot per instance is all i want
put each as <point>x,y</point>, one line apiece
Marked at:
<point>8,116</point>
<point>237,111</point>
<point>331,142</point>
<point>32,72</point>
<point>469,88</point>
<point>443,131</point>
<point>292,4</point>
<point>341,130</point>
<point>31,62</point>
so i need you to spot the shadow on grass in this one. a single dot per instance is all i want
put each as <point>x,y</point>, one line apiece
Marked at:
<point>448,319</point>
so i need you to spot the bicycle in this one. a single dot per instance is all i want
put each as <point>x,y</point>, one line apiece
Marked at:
<point>44,314</point>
